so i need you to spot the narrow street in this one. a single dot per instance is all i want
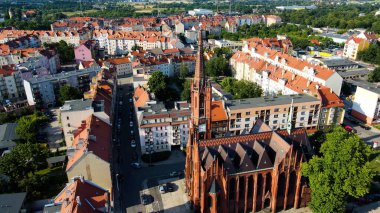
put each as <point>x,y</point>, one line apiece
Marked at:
<point>130,181</point>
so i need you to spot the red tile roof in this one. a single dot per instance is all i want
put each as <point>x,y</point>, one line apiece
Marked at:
<point>93,136</point>
<point>329,98</point>
<point>140,96</point>
<point>83,196</point>
<point>218,113</point>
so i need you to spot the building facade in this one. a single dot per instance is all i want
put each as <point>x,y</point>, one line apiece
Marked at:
<point>41,91</point>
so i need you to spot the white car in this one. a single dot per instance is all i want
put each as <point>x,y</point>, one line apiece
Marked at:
<point>131,124</point>
<point>130,100</point>
<point>133,143</point>
<point>120,103</point>
<point>162,189</point>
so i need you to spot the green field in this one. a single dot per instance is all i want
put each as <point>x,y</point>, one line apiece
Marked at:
<point>77,13</point>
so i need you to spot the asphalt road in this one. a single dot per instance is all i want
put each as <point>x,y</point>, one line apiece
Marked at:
<point>127,187</point>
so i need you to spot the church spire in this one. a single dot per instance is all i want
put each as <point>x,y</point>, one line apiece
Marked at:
<point>199,76</point>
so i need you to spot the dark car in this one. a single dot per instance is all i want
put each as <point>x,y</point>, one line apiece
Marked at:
<point>176,173</point>
<point>146,199</point>
<point>364,126</point>
<point>169,187</point>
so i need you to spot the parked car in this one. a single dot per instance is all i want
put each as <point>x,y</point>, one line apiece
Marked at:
<point>146,199</point>
<point>175,173</point>
<point>364,126</point>
<point>130,100</point>
<point>169,187</point>
<point>131,124</point>
<point>120,103</point>
<point>131,132</point>
<point>133,144</point>
<point>136,165</point>
<point>162,189</point>
<point>349,129</point>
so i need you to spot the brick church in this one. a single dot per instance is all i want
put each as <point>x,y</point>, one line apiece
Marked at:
<point>255,170</point>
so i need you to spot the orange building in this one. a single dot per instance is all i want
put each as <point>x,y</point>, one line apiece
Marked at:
<point>258,169</point>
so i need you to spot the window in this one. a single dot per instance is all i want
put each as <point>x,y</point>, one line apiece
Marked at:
<point>303,107</point>
<point>275,122</point>
<point>284,115</point>
<point>276,109</point>
<point>68,118</point>
<point>246,125</point>
<point>247,119</point>
<point>247,113</point>
<point>238,120</point>
<point>312,106</point>
<point>302,113</point>
<point>68,125</point>
<point>237,126</point>
<point>275,116</point>
<point>302,118</point>
<point>301,124</point>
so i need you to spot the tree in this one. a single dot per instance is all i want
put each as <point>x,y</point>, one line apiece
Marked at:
<point>241,88</point>
<point>342,170</point>
<point>158,84</point>
<point>67,92</point>
<point>27,127</point>
<point>223,51</point>
<point>136,47</point>
<point>186,94</point>
<point>65,51</point>
<point>374,76</point>
<point>22,160</point>
<point>183,71</point>
<point>217,67</point>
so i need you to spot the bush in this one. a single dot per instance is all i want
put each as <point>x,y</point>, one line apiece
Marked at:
<point>155,157</point>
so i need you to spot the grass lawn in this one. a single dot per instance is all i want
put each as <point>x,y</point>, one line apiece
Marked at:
<point>377,126</point>
<point>375,162</point>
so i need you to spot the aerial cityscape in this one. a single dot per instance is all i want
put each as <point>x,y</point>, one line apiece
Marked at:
<point>152,106</point>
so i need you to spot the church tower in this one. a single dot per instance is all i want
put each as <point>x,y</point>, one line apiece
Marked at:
<point>200,125</point>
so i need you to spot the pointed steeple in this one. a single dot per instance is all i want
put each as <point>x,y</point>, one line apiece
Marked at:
<point>199,76</point>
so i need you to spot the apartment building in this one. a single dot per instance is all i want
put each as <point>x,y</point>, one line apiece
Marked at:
<point>273,111</point>
<point>81,195</point>
<point>160,128</point>
<point>366,101</point>
<point>90,154</point>
<point>11,86</point>
<point>41,91</point>
<point>73,112</point>
<point>354,45</point>
<point>332,109</point>
<point>121,66</point>
<point>277,72</point>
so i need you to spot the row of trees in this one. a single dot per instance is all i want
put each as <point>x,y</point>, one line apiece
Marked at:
<point>371,55</point>
<point>337,16</point>
<point>298,34</point>
<point>241,88</point>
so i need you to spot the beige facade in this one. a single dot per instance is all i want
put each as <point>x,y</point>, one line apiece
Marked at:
<point>331,116</point>
<point>274,112</point>
<point>92,168</point>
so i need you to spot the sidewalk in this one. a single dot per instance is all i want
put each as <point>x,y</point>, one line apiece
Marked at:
<point>176,157</point>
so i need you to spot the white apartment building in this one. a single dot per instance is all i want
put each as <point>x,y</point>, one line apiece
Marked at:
<point>287,74</point>
<point>122,66</point>
<point>74,112</point>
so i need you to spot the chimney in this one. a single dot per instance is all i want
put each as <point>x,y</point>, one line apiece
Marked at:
<point>293,76</point>
<point>331,90</point>
<point>308,83</point>
<point>81,179</point>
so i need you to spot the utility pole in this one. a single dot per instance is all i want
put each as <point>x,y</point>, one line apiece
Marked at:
<point>230,6</point>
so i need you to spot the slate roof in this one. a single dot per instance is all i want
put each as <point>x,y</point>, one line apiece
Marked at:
<point>261,149</point>
<point>12,203</point>
<point>8,135</point>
